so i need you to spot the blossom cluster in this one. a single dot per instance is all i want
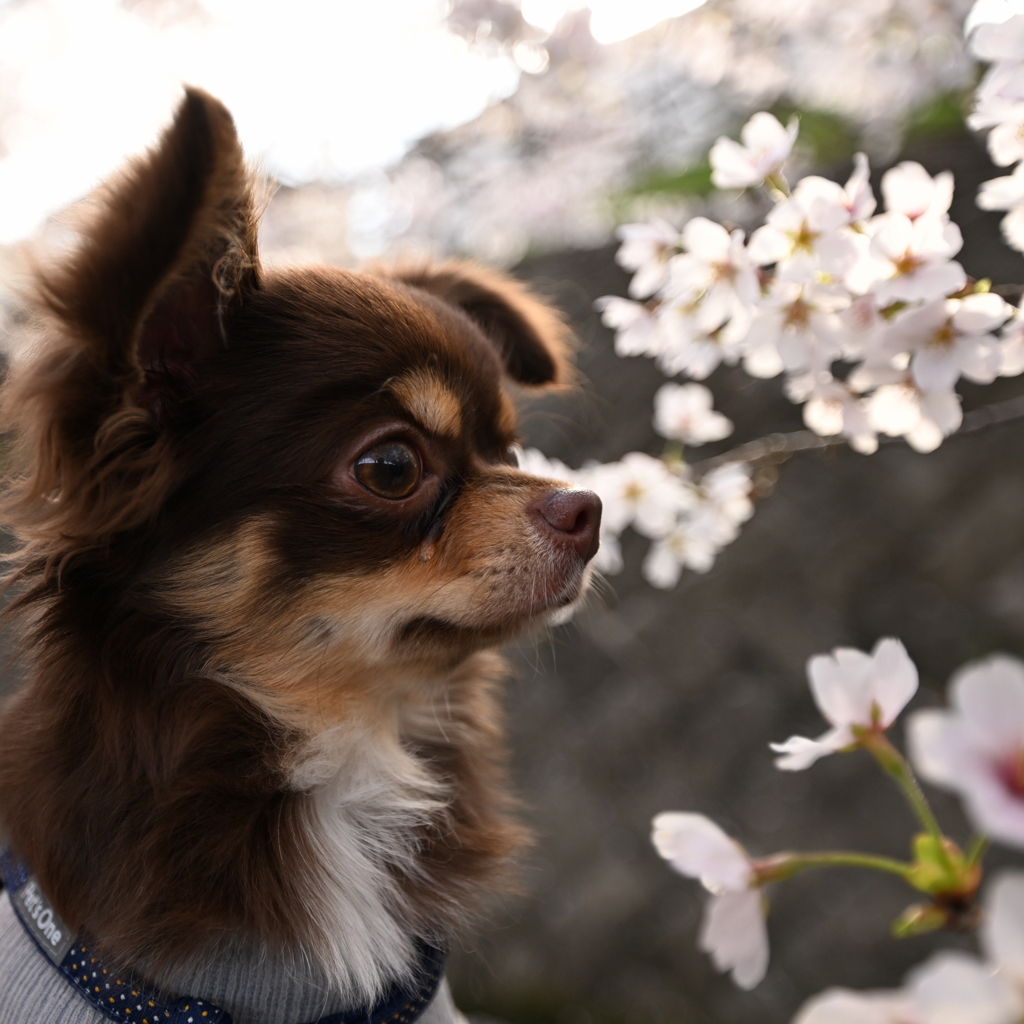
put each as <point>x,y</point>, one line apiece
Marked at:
<point>867,314</point>
<point>689,518</point>
<point>999,106</point>
<point>975,748</point>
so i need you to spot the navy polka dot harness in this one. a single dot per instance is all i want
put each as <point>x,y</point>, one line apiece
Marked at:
<point>121,998</point>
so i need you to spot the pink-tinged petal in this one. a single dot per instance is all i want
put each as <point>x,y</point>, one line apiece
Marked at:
<point>895,678</point>
<point>840,686</point>
<point>731,165</point>
<point>1002,193</point>
<point>990,697</point>
<point>997,42</point>
<point>936,746</point>
<point>943,409</point>
<point>936,369</point>
<point>710,241</point>
<point>841,1006</point>
<point>928,282</point>
<point>893,235</point>
<point>980,358</point>
<point>860,199</point>
<point>956,988</point>
<point>768,244</point>
<point>696,847</point>
<point>977,314</point>
<point>735,935</point>
<point>1012,227</point>
<point>1002,927</point>
<point>648,279</point>
<point>800,752</point>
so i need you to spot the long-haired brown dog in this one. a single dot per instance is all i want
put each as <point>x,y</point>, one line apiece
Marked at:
<point>269,527</point>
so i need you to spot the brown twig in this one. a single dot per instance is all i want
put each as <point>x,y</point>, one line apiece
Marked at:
<point>780,446</point>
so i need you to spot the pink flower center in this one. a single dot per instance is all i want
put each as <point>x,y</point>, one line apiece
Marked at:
<point>1011,771</point>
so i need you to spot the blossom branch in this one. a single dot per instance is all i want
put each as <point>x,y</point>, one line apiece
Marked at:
<point>781,445</point>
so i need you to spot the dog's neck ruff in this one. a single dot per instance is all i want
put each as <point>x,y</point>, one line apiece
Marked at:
<point>119,997</point>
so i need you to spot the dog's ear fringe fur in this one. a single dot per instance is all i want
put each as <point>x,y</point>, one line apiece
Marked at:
<point>532,338</point>
<point>92,460</point>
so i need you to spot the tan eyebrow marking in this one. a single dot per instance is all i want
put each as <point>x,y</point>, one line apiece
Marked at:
<point>430,401</point>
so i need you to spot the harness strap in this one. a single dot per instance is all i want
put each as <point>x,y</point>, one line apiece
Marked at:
<point>124,999</point>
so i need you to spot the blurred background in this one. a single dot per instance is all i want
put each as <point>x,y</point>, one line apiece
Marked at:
<point>522,134</point>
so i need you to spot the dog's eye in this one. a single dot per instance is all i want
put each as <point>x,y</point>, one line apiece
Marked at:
<point>391,470</point>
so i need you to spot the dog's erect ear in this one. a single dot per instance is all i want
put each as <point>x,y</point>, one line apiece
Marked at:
<point>529,334</point>
<point>167,247</point>
<point>172,244</point>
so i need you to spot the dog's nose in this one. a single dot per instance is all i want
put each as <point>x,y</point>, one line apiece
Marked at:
<point>572,516</point>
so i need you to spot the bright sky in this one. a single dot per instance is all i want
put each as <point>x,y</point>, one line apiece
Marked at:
<point>319,88</point>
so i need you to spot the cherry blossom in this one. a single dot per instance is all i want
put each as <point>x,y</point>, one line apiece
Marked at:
<point>647,249</point>
<point>733,931</point>
<point>799,322</point>
<point>636,329</point>
<point>723,504</point>
<point>924,418</point>
<point>1006,193</point>
<point>910,190</point>
<point>831,407</point>
<point>803,235</point>
<point>977,747</point>
<point>642,492</point>
<point>950,987</point>
<point>765,146</point>
<point>684,412</point>
<point>909,260</point>
<point>852,690</point>
<point>950,338</point>
<point>713,278</point>
<point>684,346</point>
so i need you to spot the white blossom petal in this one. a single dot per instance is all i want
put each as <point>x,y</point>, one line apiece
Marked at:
<point>696,847</point>
<point>735,935</point>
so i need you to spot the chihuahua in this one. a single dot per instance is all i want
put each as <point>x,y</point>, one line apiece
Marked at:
<point>270,528</point>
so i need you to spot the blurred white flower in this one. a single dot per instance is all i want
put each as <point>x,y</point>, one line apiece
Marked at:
<point>832,408</point>
<point>799,323</point>
<point>950,987</point>
<point>909,260</point>
<point>924,418</point>
<point>1012,356</point>
<point>722,504</point>
<point>713,280</point>
<point>859,199</point>
<point>977,747</point>
<point>950,338</point>
<point>685,412</point>
<point>683,346</point>
<point>639,491</point>
<point>909,189</point>
<point>956,988</point>
<point>647,249</point>
<point>683,548</point>
<point>530,460</point>
<point>733,931</point>
<point>852,688</point>
<point>803,234</point>
<point>843,1006</point>
<point>998,42</point>
<point>764,149</point>
<point>636,328</point>
<point>1007,193</point>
